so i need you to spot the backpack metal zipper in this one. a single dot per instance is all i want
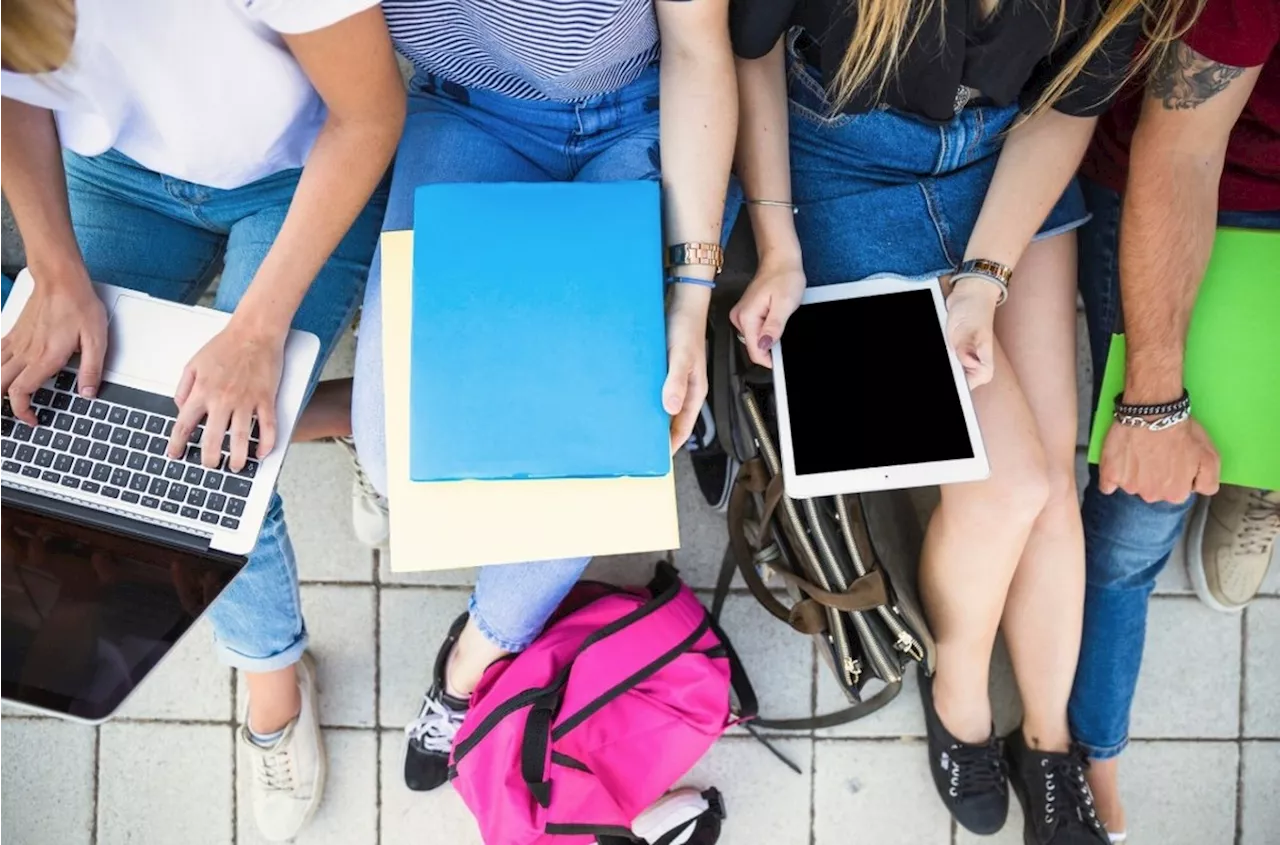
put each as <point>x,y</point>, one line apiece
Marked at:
<point>905,641</point>
<point>839,635</point>
<point>884,668</point>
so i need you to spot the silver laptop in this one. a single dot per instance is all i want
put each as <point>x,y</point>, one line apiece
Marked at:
<point>111,548</point>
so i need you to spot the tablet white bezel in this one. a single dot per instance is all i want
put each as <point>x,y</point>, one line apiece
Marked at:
<point>884,477</point>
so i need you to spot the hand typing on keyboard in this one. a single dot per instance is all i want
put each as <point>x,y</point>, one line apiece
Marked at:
<point>62,317</point>
<point>112,448</point>
<point>230,381</point>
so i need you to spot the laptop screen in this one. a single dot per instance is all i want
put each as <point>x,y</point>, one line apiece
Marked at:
<point>88,613</point>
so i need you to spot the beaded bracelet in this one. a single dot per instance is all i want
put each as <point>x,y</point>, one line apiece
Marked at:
<point>690,280</point>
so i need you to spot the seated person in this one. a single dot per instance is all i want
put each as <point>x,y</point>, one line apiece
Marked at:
<point>1205,152</point>
<point>552,95</point>
<point>150,149</point>
<point>955,156</point>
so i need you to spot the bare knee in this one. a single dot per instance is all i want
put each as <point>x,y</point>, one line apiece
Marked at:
<point>1062,490</point>
<point>1011,499</point>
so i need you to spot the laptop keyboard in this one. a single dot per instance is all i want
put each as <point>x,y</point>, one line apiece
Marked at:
<point>113,449</point>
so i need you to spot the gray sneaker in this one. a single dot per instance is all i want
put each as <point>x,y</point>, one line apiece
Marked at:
<point>288,776</point>
<point>370,517</point>
<point>1232,544</point>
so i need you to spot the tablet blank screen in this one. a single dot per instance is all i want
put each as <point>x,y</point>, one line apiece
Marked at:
<point>869,385</point>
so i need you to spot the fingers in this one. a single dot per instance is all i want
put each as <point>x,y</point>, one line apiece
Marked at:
<point>676,387</point>
<point>217,419</point>
<point>749,315</point>
<point>683,422</point>
<point>185,384</point>
<point>92,352</point>
<point>26,383</point>
<point>266,428</point>
<point>1208,476</point>
<point>189,415</point>
<point>241,424</point>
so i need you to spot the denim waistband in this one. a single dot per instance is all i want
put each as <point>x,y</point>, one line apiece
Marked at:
<point>642,88</point>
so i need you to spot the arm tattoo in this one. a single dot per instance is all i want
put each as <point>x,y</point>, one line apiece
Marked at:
<point>1184,79</point>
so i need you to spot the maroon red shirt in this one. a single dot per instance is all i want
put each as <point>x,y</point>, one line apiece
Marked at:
<point>1241,33</point>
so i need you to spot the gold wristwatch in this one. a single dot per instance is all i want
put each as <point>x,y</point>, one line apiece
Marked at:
<point>684,255</point>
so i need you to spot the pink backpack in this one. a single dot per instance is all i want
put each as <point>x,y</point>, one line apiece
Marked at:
<point>574,737</point>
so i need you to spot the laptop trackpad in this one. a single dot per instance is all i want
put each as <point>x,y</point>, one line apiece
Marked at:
<point>152,340</point>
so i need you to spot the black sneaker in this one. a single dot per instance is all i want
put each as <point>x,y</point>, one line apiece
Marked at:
<point>971,779</point>
<point>426,759</point>
<point>1056,801</point>
<point>714,468</point>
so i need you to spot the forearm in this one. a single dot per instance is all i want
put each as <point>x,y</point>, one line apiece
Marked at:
<point>763,152</point>
<point>1170,209</point>
<point>698,124</point>
<point>1036,164</point>
<point>36,187</point>
<point>344,167</point>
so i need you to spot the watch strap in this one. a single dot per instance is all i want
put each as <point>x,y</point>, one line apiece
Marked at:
<point>684,255</point>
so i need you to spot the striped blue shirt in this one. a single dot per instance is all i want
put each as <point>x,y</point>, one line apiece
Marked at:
<point>563,50</point>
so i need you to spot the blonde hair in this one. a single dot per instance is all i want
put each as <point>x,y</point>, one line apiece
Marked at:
<point>884,28</point>
<point>36,35</point>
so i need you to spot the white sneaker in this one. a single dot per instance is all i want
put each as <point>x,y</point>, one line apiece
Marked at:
<point>1232,544</point>
<point>369,514</point>
<point>288,776</point>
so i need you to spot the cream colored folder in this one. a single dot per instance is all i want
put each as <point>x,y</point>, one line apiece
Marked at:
<point>453,524</point>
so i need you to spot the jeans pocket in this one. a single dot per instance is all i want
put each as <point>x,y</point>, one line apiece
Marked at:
<point>809,100</point>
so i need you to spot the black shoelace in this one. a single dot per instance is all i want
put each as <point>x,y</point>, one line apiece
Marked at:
<point>976,770</point>
<point>1068,800</point>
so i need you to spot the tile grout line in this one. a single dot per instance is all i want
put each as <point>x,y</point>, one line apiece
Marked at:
<point>1240,713</point>
<point>376,558</point>
<point>97,780</point>
<point>235,774</point>
<point>813,790</point>
<point>814,660</point>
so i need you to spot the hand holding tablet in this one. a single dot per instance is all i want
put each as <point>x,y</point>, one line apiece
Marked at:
<point>870,396</point>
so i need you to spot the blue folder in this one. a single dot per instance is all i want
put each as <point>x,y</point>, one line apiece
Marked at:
<point>539,346</point>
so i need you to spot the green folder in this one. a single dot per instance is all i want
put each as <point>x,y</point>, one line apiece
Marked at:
<point>1232,366</point>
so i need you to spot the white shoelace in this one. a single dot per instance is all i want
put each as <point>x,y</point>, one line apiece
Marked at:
<point>362,479</point>
<point>435,727</point>
<point>273,767</point>
<point>1261,524</point>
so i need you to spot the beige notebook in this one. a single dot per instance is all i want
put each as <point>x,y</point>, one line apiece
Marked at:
<point>453,524</point>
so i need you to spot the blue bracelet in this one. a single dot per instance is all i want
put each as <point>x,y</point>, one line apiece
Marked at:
<point>690,280</point>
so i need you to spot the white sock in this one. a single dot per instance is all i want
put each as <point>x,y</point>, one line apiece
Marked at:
<point>265,740</point>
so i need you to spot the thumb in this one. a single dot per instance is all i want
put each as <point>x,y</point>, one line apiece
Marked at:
<point>89,374</point>
<point>676,386</point>
<point>673,393</point>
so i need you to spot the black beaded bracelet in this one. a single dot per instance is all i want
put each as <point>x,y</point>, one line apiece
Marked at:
<point>1182,403</point>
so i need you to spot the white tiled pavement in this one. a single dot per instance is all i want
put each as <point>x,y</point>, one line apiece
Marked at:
<point>1205,769</point>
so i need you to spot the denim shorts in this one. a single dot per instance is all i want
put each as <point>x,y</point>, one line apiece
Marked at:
<point>886,194</point>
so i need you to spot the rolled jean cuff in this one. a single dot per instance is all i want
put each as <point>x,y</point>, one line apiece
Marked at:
<point>491,635</point>
<point>274,663</point>
<point>1104,752</point>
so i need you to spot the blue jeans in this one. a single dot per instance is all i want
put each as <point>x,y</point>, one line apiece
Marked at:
<point>883,193</point>
<point>454,134</point>
<point>143,230</point>
<point>1127,541</point>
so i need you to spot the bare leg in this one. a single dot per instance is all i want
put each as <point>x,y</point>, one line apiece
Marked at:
<point>1044,612</point>
<point>327,414</point>
<point>1103,778</point>
<point>971,548</point>
<point>274,699</point>
<point>472,654</point>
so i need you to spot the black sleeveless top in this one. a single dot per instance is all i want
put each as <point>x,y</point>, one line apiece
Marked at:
<point>1010,57</point>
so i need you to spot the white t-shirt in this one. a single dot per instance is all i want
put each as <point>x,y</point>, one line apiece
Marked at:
<point>201,90</point>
